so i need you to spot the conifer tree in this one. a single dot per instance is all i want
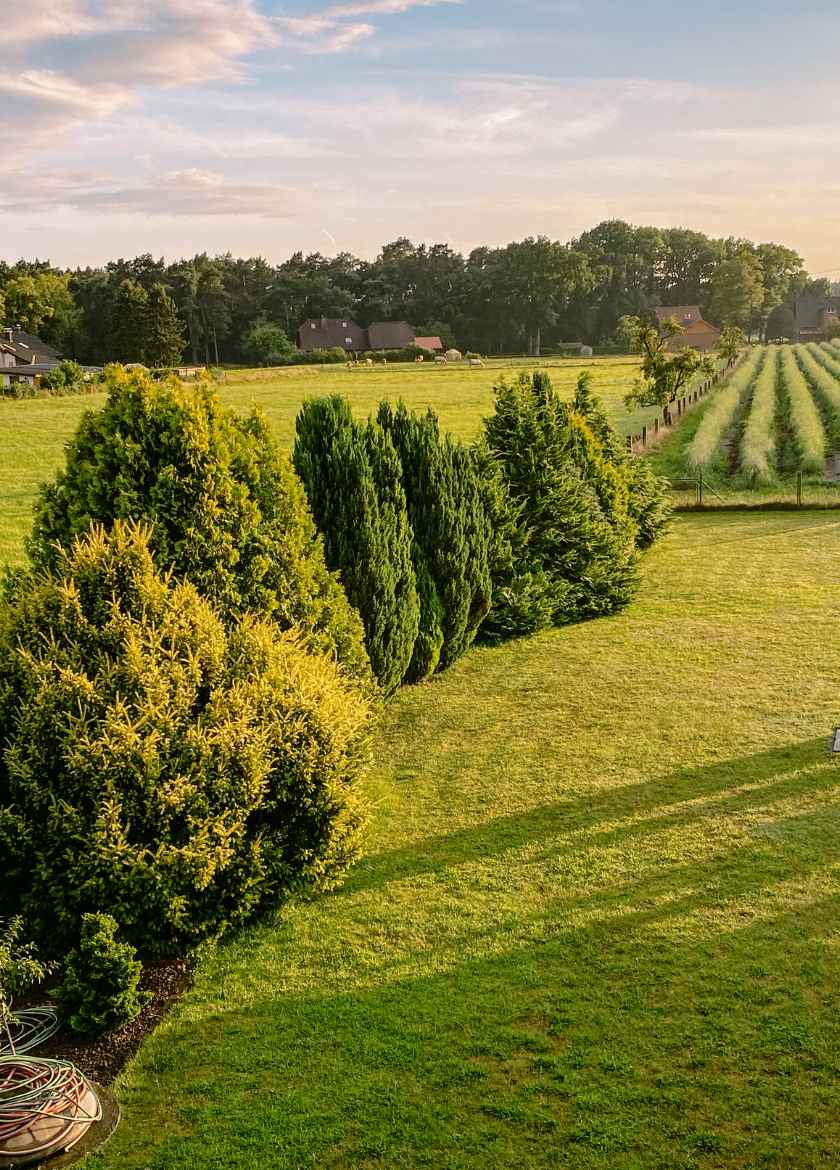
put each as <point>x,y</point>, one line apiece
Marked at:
<point>164,332</point>
<point>647,493</point>
<point>452,531</point>
<point>225,509</point>
<point>129,323</point>
<point>353,480</point>
<point>554,469</point>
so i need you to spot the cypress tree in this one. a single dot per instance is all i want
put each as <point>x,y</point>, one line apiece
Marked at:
<point>452,530</point>
<point>353,480</point>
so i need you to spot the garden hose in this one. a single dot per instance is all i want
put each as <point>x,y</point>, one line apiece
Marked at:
<point>27,1029</point>
<point>46,1106</point>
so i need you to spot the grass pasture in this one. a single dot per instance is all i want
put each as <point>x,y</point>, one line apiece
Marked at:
<point>598,923</point>
<point>33,431</point>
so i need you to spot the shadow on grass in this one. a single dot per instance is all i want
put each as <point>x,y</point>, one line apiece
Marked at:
<point>620,1041</point>
<point>723,783</point>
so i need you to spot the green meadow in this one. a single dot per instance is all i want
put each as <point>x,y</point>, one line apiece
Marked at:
<point>597,924</point>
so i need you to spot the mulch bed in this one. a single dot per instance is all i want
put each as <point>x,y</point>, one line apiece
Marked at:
<point>102,1059</point>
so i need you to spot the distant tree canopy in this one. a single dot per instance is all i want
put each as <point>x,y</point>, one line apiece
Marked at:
<point>529,295</point>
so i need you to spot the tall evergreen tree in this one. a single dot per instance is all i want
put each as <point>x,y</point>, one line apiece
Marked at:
<point>353,480</point>
<point>128,332</point>
<point>452,533</point>
<point>164,333</point>
<point>553,469</point>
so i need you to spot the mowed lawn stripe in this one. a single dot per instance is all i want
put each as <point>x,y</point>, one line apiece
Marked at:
<point>597,924</point>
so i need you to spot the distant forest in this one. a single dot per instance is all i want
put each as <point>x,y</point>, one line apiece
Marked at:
<point>529,296</point>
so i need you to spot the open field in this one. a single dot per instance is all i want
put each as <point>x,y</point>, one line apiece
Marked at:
<point>598,923</point>
<point>33,431</point>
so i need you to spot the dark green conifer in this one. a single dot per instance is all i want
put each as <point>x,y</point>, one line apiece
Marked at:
<point>451,527</point>
<point>571,500</point>
<point>353,480</point>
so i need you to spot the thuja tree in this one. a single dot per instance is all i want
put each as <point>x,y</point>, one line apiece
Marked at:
<point>647,494</point>
<point>578,536</point>
<point>452,535</point>
<point>353,480</point>
<point>225,510</point>
<point>158,766</point>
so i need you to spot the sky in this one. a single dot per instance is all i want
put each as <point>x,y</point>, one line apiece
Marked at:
<point>261,128</point>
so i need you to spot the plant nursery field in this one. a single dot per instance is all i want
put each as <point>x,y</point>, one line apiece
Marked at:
<point>33,431</point>
<point>776,417</point>
<point>597,925</point>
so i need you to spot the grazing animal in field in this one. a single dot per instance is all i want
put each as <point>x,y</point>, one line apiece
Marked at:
<point>440,361</point>
<point>476,362</point>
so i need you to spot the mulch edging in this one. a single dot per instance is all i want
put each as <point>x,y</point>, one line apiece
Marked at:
<point>104,1058</point>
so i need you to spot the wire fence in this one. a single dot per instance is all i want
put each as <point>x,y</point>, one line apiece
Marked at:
<point>662,425</point>
<point>705,492</point>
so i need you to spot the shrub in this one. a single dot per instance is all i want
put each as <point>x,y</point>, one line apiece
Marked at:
<point>225,510</point>
<point>573,503</point>
<point>451,528</point>
<point>353,480</point>
<point>157,766</point>
<point>66,378</point>
<point>20,967</point>
<point>101,985</point>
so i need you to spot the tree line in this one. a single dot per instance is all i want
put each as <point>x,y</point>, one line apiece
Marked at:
<point>528,296</point>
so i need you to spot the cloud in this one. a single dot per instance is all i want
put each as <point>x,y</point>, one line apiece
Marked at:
<point>39,103</point>
<point>382,7</point>
<point>191,192</point>
<point>321,34</point>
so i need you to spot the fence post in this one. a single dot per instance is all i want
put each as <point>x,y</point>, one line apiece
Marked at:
<point>644,436</point>
<point>629,442</point>
<point>799,489</point>
<point>656,425</point>
<point>700,488</point>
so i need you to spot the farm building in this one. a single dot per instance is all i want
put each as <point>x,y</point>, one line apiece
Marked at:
<point>18,348</point>
<point>432,344</point>
<point>335,332</point>
<point>695,331</point>
<point>816,310</point>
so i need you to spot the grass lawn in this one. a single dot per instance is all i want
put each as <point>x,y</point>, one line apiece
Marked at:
<point>598,924</point>
<point>33,432</point>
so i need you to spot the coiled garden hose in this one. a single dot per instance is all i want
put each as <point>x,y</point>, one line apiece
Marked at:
<point>46,1106</point>
<point>27,1029</point>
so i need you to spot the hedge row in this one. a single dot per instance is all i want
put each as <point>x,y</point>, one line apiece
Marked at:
<point>187,665</point>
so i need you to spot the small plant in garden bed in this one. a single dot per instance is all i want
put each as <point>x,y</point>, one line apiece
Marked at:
<point>100,988</point>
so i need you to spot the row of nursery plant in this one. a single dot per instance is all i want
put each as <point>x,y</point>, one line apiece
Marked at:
<point>721,412</point>
<point>806,420</point>
<point>826,354</point>
<point>824,379</point>
<point>190,670</point>
<point>758,442</point>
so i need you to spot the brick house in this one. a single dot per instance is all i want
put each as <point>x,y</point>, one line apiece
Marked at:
<point>696,332</point>
<point>344,333</point>
<point>814,311</point>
